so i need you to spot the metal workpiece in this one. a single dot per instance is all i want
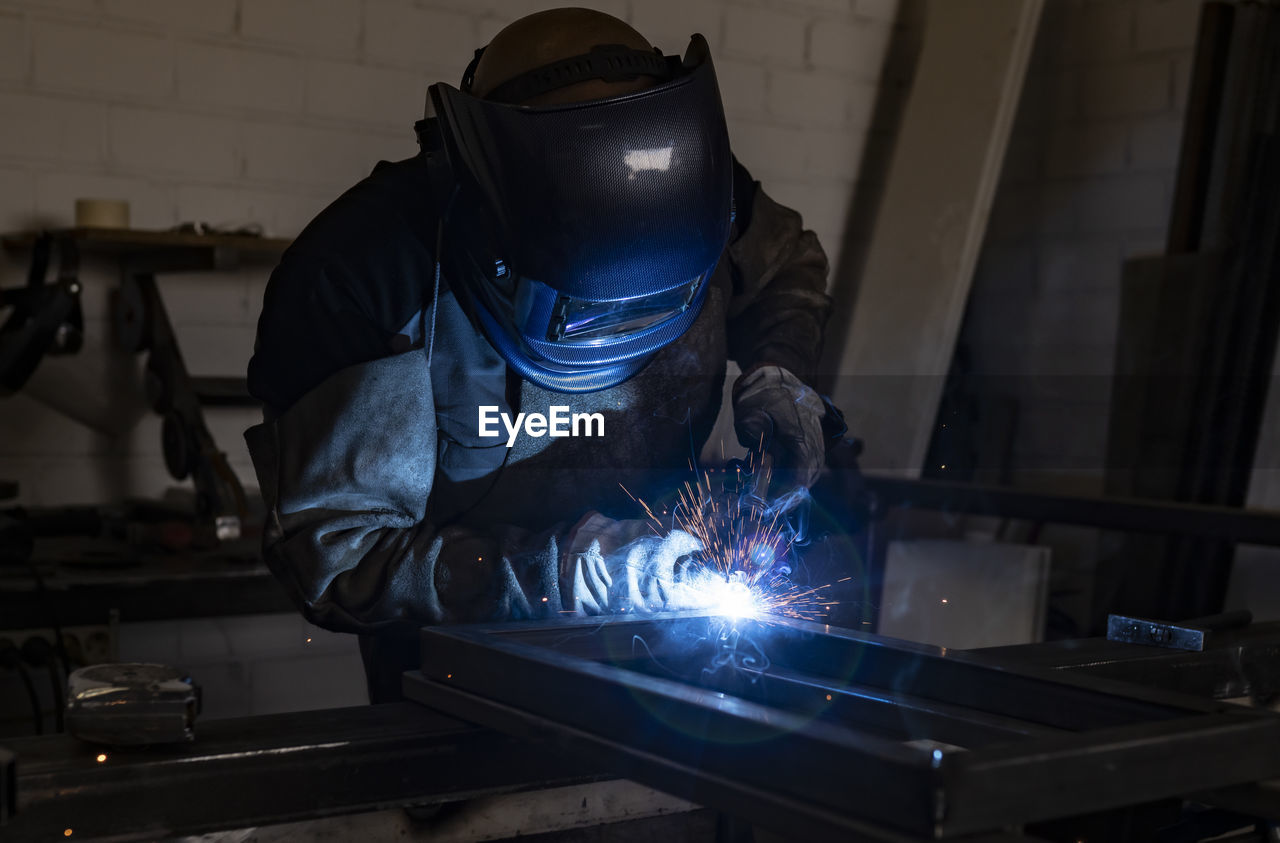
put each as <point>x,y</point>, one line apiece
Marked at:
<point>132,704</point>
<point>265,770</point>
<point>1185,635</point>
<point>1154,633</point>
<point>804,728</point>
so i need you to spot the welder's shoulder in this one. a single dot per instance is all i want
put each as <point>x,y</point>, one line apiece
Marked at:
<point>387,212</point>
<point>349,281</point>
<point>366,254</point>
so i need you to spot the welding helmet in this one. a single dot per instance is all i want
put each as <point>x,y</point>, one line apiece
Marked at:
<point>585,234</point>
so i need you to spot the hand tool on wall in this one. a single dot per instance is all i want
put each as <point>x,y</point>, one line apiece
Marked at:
<point>142,324</point>
<point>45,318</point>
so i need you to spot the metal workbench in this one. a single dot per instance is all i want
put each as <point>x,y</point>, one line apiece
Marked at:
<point>95,581</point>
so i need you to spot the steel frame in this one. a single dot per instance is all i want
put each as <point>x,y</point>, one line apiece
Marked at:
<point>843,732</point>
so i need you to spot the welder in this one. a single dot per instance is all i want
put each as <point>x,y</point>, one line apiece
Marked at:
<point>575,232</point>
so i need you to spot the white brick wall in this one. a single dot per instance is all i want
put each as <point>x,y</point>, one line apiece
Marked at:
<point>347,92</point>
<point>88,59</point>
<point>397,33</point>
<point>765,34</point>
<point>215,17</point>
<point>236,78</point>
<point>163,143</point>
<point>325,27</point>
<point>232,111</point>
<point>13,47</point>
<point>1088,182</point>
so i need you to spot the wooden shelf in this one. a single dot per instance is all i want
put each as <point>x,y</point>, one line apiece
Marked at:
<point>160,251</point>
<point>138,239</point>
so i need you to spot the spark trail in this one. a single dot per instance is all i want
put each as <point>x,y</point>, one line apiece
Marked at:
<point>744,568</point>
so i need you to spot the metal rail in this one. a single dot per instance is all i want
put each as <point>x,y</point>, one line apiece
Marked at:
<point>260,770</point>
<point>1243,526</point>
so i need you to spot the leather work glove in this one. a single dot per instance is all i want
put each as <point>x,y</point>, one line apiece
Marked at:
<point>618,566</point>
<point>773,406</point>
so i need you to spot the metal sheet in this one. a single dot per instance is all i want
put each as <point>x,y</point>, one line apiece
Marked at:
<point>802,726</point>
<point>1236,663</point>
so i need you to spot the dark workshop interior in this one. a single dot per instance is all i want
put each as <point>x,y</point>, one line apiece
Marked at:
<point>735,421</point>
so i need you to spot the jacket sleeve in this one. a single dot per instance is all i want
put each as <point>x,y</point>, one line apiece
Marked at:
<point>780,306</point>
<point>346,473</point>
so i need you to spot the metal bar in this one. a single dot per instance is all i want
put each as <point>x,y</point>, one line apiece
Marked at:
<point>1111,768</point>
<point>766,805</point>
<point>1154,633</point>
<point>900,716</point>
<point>159,598</point>
<point>966,678</point>
<point>872,708</point>
<point>1261,799</point>
<point>270,769</point>
<point>1198,132</point>
<point>1243,526</point>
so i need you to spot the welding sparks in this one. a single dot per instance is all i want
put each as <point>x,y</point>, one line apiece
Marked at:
<point>743,569</point>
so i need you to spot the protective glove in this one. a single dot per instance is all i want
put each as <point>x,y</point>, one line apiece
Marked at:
<point>618,566</point>
<point>772,405</point>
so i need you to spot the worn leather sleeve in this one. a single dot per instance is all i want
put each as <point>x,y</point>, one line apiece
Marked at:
<point>347,473</point>
<point>780,307</point>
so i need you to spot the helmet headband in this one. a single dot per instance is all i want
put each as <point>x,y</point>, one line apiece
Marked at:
<point>609,62</point>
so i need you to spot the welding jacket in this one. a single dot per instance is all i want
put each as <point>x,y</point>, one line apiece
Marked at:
<point>386,508</point>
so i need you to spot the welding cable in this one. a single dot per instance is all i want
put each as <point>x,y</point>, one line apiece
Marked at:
<point>59,644</point>
<point>435,296</point>
<point>37,652</point>
<point>56,682</point>
<point>12,659</point>
<point>430,340</point>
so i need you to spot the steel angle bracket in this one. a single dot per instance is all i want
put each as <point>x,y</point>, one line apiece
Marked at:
<point>821,731</point>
